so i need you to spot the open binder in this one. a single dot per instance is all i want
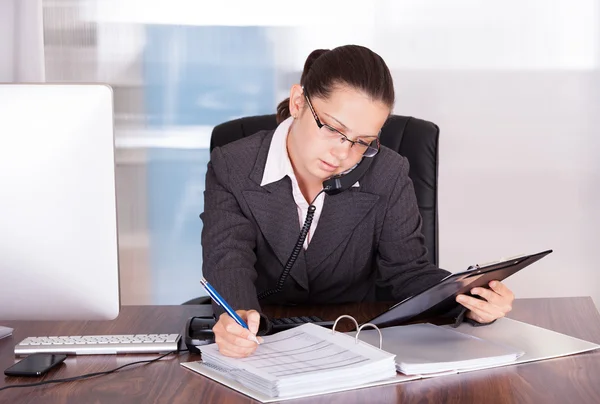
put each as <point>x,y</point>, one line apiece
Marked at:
<point>310,360</point>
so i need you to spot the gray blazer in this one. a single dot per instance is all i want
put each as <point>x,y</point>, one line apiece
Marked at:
<point>367,236</point>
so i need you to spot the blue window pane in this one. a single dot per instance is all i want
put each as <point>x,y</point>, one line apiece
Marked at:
<point>194,76</point>
<point>206,75</point>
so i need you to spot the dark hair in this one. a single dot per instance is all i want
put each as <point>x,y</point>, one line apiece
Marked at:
<point>352,65</point>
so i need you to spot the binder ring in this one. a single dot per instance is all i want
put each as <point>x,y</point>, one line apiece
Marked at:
<point>339,318</point>
<point>372,326</point>
<point>358,329</point>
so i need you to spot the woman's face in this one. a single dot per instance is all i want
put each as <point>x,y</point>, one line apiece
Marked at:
<point>317,154</point>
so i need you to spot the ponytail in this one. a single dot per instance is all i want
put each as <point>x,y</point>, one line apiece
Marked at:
<point>283,110</point>
<point>310,60</point>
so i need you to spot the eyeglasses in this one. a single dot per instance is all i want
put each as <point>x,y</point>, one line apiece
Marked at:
<point>329,132</point>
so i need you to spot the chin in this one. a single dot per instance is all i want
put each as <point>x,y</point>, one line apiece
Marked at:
<point>320,175</point>
<point>339,171</point>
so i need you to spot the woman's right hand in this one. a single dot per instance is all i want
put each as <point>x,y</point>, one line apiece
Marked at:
<point>233,339</point>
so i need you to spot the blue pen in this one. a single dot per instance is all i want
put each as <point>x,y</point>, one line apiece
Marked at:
<point>221,302</point>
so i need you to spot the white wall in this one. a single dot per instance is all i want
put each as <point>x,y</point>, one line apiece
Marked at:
<point>7,38</point>
<point>519,171</point>
<point>21,41</point>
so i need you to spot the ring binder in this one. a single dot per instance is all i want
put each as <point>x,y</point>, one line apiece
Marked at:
<point>375,327</point>
<point>358,329</point>
<point>339,318</point>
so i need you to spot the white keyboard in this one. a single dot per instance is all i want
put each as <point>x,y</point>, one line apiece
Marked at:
<point>99,344</point>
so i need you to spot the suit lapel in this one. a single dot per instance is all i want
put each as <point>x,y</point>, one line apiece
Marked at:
<point>275,211</point>
<point>341,214</point>
<point>276,214</point>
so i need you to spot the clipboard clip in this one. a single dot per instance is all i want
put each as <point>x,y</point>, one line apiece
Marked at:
<point>358,329</point>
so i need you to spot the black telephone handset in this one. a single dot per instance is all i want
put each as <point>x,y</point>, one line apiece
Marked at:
<point>343,181</point>
<point>331,186</point>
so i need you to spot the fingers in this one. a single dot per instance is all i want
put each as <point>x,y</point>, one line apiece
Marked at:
<point>480,310</point>
<point>232,338</point>
<point>504,303</point>
<point>496,303</point>
<point>489,295</point>
<point>252,318</point>
<point>482,319</point>
<point>502,290</point>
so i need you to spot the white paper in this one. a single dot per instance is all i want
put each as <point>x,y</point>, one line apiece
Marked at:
<point>304,360</point>
<point>427,348</point>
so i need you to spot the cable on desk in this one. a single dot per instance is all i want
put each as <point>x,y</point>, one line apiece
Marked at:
<point>88,375</point>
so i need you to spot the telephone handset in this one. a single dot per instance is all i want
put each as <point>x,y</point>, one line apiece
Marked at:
<point>331,186</point>
<point>343,181</point>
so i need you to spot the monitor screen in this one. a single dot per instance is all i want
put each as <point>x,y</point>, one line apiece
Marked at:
<point>58,219</point>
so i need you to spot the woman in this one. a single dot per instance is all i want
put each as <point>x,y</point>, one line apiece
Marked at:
<point>258,192</point>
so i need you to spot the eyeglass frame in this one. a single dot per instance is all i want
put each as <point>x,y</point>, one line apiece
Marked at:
<point>344,138</point>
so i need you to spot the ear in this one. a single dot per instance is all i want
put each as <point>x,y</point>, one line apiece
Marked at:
<point>296,100</point>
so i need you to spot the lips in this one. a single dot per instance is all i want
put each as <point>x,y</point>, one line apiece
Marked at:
<point>327,166</point>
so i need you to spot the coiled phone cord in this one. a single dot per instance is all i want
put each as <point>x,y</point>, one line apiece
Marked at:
<point>295,252</point>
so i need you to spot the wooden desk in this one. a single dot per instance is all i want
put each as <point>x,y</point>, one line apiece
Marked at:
<point>573,379</point>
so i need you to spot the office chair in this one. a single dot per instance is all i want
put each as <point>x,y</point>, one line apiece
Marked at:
<point>413,138</point>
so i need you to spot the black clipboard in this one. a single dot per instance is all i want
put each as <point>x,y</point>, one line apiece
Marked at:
<point>441,297</point>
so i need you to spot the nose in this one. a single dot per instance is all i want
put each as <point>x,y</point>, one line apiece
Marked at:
<point>340,150</point>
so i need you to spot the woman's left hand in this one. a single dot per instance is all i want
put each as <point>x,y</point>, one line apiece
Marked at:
<point>496,302</point>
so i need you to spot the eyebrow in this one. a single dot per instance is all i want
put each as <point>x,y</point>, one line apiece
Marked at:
<point>344,126</point>
<point>335,119</point>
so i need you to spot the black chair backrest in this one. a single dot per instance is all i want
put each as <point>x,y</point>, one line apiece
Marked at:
<point>413,138</point>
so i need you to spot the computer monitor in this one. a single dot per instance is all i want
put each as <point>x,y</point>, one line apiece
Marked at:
<point>58,220</point>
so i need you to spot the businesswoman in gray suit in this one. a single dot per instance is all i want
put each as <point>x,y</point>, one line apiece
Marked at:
<point>259,190</point>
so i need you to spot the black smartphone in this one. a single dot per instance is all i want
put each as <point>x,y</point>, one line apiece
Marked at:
<point>35,364</point>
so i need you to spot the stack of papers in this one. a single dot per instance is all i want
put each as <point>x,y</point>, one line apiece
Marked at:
<point>304,360</point>
<point>423,349</point>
